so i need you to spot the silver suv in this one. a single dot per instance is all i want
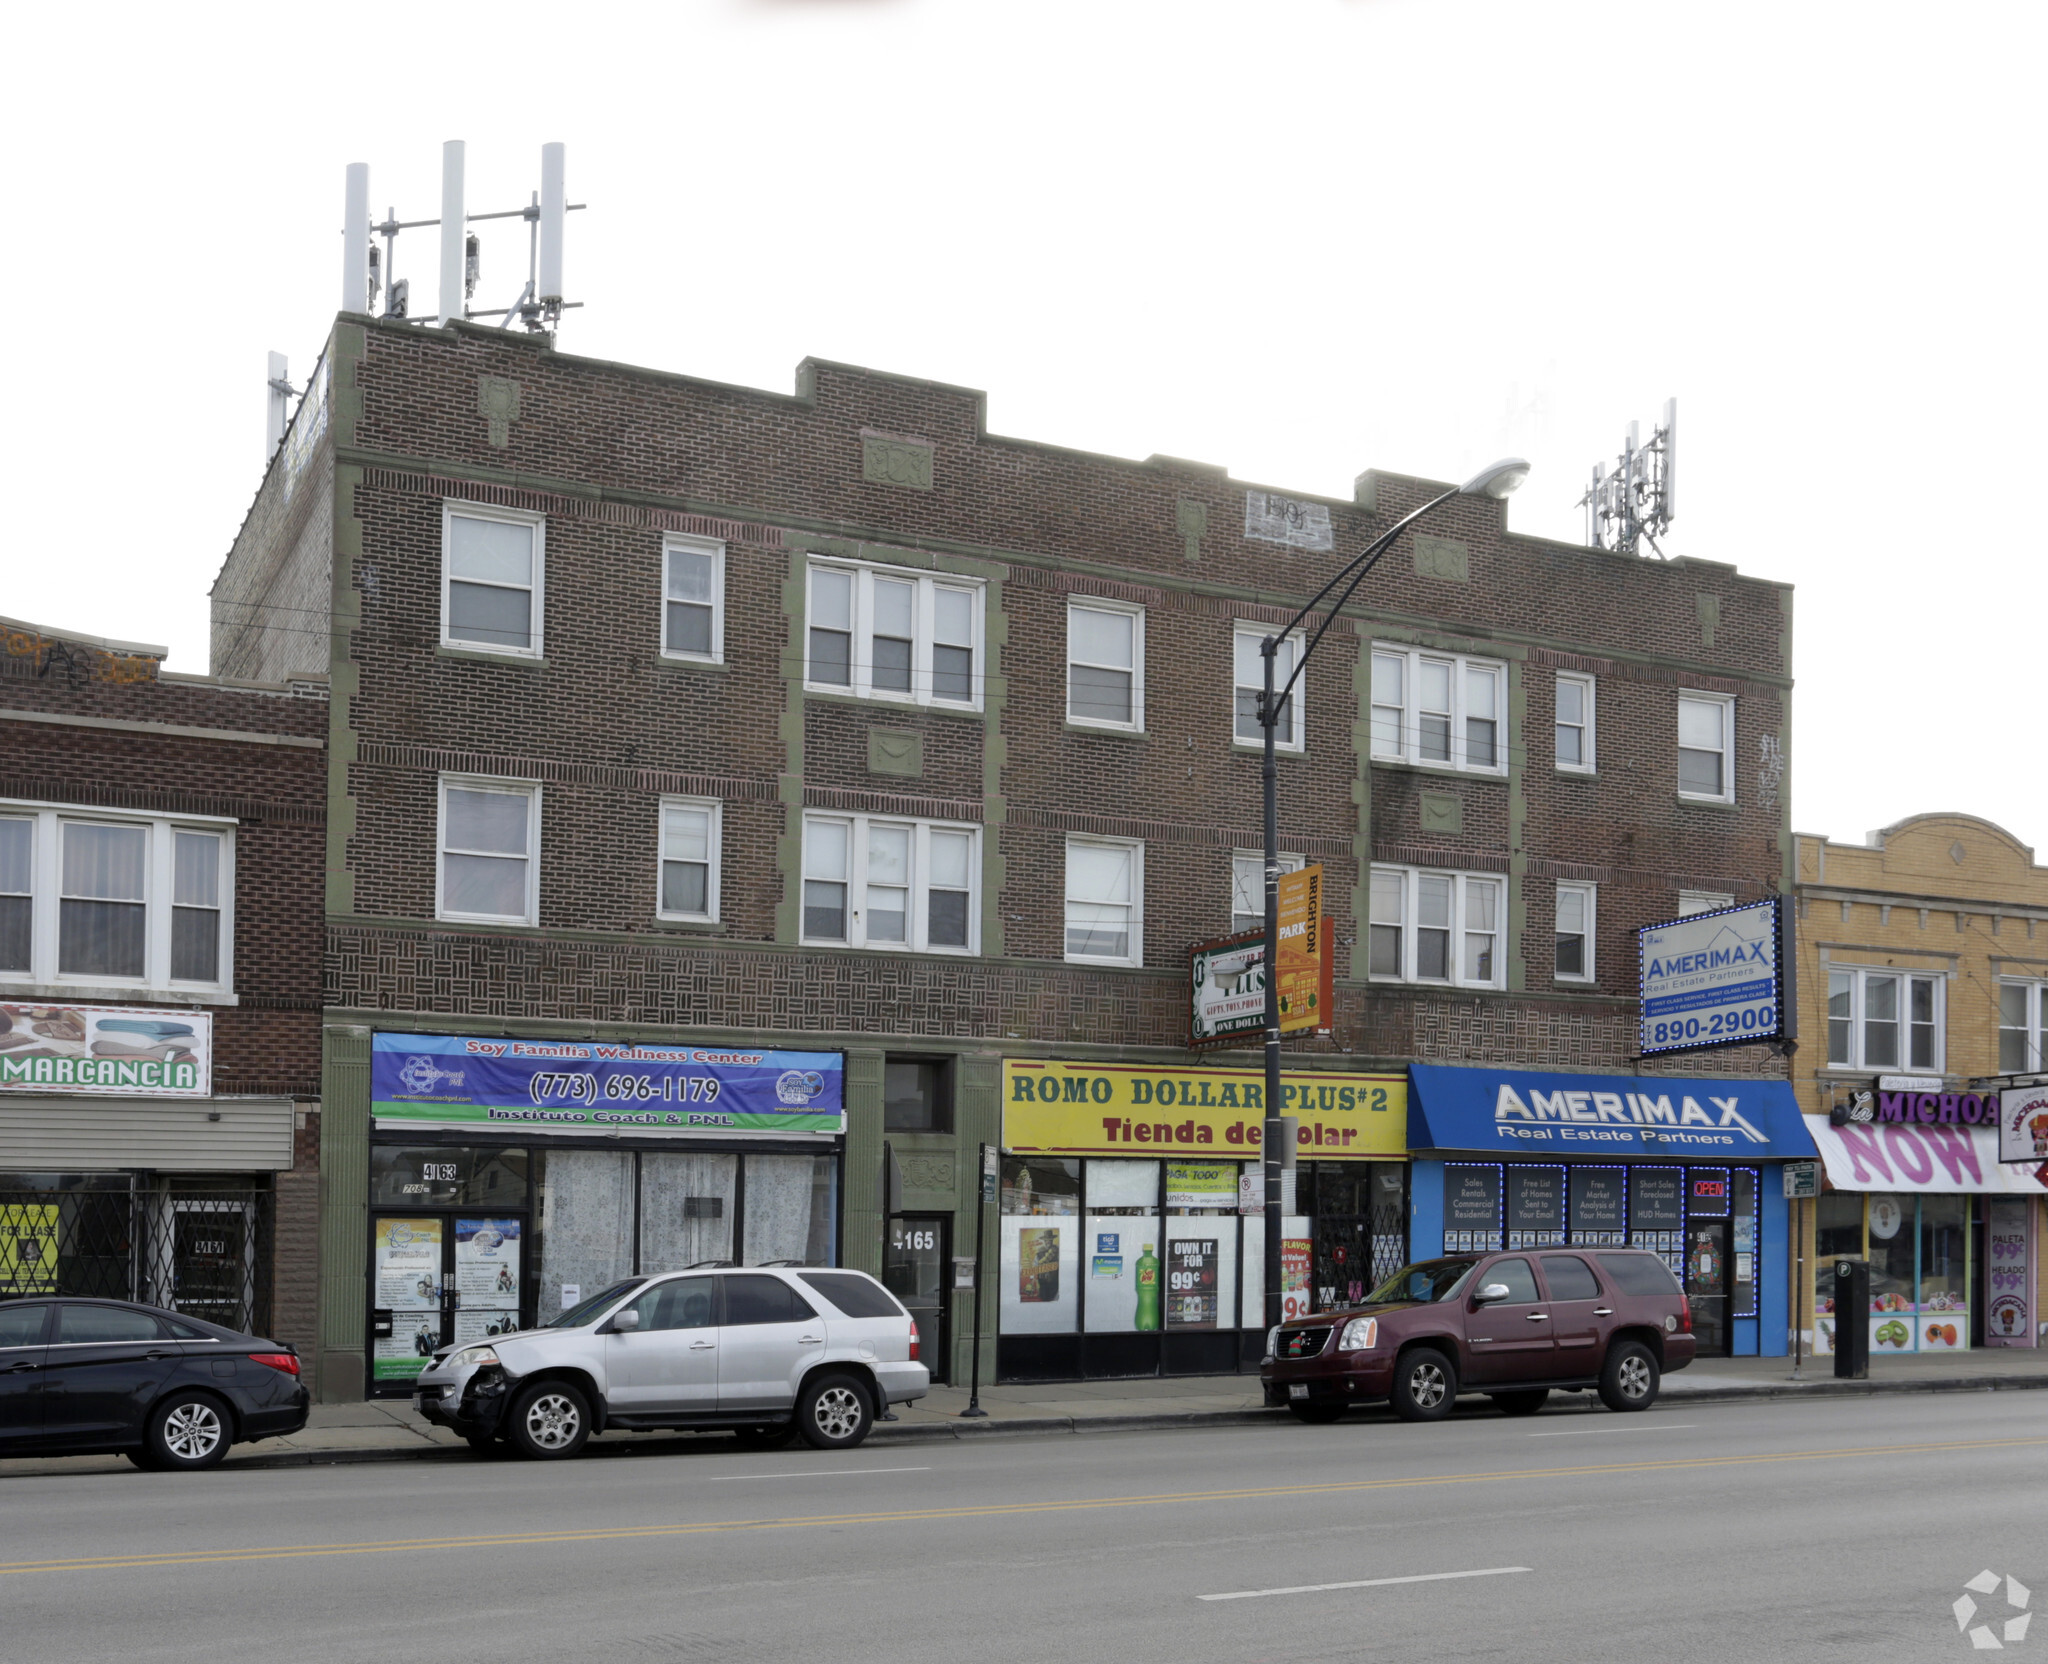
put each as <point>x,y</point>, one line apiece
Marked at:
<point>763,1351</point>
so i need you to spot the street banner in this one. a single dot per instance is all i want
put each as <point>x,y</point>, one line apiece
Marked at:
<point>573,1086</point>
<point>107,1050</point>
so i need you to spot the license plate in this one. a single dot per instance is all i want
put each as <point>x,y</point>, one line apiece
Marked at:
<point>1298,1390</point>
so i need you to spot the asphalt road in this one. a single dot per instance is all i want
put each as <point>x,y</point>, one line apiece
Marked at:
<point>1818,1530</point>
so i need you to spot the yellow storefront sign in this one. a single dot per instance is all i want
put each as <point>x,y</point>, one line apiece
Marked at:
<point>1122,1109</point>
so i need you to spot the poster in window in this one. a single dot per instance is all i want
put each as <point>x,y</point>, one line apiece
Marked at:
<point>1536,1205</point>
<point>28,1248</point>
<point>1038,1266</point>
<point>1191,1266</point>
<point>1655,1205</point>
<point>403,1353</point>
<point>408,1265</point>
<point>1598,1214</point>
<point>487,1261</point>
<point>1201,1184</point>
<point>1471,1207</point>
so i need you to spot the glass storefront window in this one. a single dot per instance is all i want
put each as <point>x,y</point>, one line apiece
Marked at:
<point>1743,1303</point>
<point>1837,1232</point>
<point>789,1205</point>
<point>686,1209</point>
<point>1944,1316</point>
<point>1041,1184</point>
<point>1039,1270</point>
<point>437,1176</point>
<point>1892,1239</point>
<point>1123,1187</point>
<point>585,1224</point>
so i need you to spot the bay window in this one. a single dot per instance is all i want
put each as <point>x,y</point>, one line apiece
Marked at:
<point>875,883</point>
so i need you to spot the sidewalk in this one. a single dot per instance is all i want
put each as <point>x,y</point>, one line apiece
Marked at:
<point>386,1430</point>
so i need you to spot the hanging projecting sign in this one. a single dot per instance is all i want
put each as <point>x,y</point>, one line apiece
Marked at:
<point>106,1050</point>
<point>446,1080</point>
<point>1227,976</point>
<point>1714,979</point>
<point>2023,1124</point>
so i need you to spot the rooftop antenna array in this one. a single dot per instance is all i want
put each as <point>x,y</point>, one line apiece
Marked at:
<point>1637,501</point>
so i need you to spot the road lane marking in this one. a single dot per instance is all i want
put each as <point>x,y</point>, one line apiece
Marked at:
<point>1365,1583</point>
<point>913,1516</point>
<point>814,1473</point>
<point>1581,1432</point>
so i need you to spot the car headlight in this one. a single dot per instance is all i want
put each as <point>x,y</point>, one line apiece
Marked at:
<point>472,1355</point>
<point>1361,1334</point>
<point>1273,1341</point>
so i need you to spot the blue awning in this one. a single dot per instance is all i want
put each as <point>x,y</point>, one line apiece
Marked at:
<point>1529,1112</point>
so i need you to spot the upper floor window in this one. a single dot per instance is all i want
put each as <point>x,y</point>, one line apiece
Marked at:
<point>1706,747</point>
<point>490,851</point>
<point>1105,900</point>
<point>1440,710</point>
<point>1575,933</point>
<point>1575,723</point>
<point>693,598</point>
<point>491,571</point>
<point>2022,1016</point>
<point>139,901</point>
<point>689,858</point>
<point>872,883</point>
<point>1884,1020</point>
<point>1248,888</point>
<point>917,1094</point>
<point>1105,664</point>
<point>1437,927</point>
<point>882,633</point>
<point>1249,675</point>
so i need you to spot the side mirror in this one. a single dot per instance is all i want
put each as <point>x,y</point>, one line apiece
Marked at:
<point>1492,1293</point>
<point>625,1323</point>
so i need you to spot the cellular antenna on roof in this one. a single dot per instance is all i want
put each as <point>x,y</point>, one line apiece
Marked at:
<point>368,271</point>
<point>1637,502</point>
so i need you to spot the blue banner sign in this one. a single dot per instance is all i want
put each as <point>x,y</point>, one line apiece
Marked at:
<point>1713,979</point>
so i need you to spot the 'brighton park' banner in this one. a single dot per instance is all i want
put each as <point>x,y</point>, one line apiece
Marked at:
<point>585,1086</point>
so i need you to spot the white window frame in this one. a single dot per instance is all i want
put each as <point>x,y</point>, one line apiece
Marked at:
<point>1585,764</point>
<point>1407,747</point>
<point>1255,859</point>
<point>1245,630</point>
<point>1101,603</point>
<point>1586,972</point>
<point>861,649</point>
<point>672,543</point>
<point>46,855</point>
<point>715,850</point>
<point>1727,703</point>
<point>2036,1025</point>
<point>917,930</point>
<point>1462,884</point>
<point>1702,901</point>
<point>453,508</point>
<point>1136,956</point>
<point>490,783</point>
<point>1860,977</point>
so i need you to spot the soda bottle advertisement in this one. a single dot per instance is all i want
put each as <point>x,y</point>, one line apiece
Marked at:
<point>1148,1290</point>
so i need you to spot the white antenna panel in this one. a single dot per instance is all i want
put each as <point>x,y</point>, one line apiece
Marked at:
<point>554,207</point>
<point>355,240</point>
<point>454,234</point>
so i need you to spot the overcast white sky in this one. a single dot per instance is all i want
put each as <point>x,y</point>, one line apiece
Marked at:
<point>1300,238</point>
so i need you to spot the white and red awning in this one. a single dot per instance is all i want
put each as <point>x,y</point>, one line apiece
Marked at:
<point>1880,1156</point>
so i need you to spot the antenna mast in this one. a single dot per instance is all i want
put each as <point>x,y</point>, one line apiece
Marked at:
<point>1637,502</point>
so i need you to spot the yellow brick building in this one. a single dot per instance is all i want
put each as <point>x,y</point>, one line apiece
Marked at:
<point>1922,986</point>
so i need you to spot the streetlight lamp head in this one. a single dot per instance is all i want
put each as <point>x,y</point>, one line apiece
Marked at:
<point>1498,481</point>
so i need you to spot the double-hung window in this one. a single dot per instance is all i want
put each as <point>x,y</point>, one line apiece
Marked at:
<point>693,598</point>
<point>1575,723</point>
<point>141,902</point>
<point>1574,933</point>
<point>1106,901</point>
<point>491,570</point>
<point>2022,1018</point>
<point>1248,888</point>
<point>1439,710</point>
<point>1437,927</point>
<point>1249,675</point>
<point>1884,1020</point>
<point>1105,664</point>
<point>873,883</point>
<point>490,851</point>
<point>884,633</point>
<point>1706,747</point>
<point>689,858</point>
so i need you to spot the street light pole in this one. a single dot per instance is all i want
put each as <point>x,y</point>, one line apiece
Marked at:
<point>1503,477</point>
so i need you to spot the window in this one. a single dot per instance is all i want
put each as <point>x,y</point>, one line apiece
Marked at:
<point>1702,901</point>
<point>1570,1278</point>
<point>1436,927</point>
<point>120,900</point>
<point>2022,1014</point>
<point>1575,932</point>
<point>1438,710</point>
<point>763,1299</point>
<point>491,579</point>
<point>917,1095</point>
<point>1248,888</point>
<point>1884,1020</point>
<point>490,837</point>
<point>693,598</point>
<point>687,1303</point>
<point>1249,675</point>
<point>1706,744</point>
<point>1105,900</point>
<point>1575,723</point>
<point>855,1296</point>
<point>881,633</point>
<point>891,883</point>
<point>1105,664</point>
<point>689,859</point>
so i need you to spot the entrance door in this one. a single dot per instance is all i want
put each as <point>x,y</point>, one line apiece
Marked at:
<point>1707,1268</point>
<point>438,1279</point>
<point>213,1261</point>
<point>485,1271</point>
<point>914,1271</point>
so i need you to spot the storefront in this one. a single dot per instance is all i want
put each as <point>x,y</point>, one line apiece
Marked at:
<point>1507,1159</point>
<point>1132,1203</point>
<point>1952,1236</point>
<point>510,1178</point>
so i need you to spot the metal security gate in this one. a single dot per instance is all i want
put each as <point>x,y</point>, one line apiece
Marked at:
<point>203,1252</point>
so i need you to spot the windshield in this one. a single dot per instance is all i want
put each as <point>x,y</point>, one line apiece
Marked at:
<point>578,1315</point>
<point>1430,1281</point>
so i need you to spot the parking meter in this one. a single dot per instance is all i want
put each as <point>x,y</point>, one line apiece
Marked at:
<point>1852,1319</point>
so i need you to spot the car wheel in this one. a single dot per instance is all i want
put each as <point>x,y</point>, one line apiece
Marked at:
<point>773,1437</point>
<point>1521,1403</point>
<point>1425,1385</point>
<point>1316,1415</point>
<point>186,1432</point>
<point>1630,1378</point>
<point>550,1419</point>
<point>833,1413</point>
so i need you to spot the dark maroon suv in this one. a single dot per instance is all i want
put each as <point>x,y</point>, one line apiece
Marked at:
<point>1514,1326</point>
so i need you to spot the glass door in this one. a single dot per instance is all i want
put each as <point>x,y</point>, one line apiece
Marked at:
<point>1707,1272</point>
<point>914,1270</point>
<point>407,1297</point>
<point>487,1276</point>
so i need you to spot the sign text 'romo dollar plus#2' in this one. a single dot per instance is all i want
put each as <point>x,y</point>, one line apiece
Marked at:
<point>580,1085</point>
<point>1714,979</point>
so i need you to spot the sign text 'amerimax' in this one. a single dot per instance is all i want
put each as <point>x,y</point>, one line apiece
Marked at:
<point>1579,1116</point>
<point>1713,979</point>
